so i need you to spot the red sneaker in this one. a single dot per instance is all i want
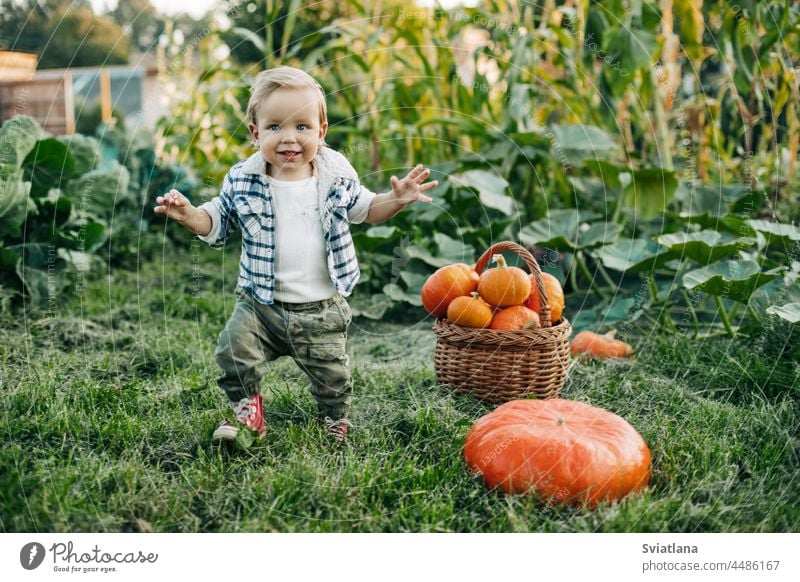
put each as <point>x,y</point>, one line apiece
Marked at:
<point>337,428</point>
<point>249,413</point>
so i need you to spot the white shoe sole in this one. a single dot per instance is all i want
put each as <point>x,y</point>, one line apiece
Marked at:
<point>225,433</point>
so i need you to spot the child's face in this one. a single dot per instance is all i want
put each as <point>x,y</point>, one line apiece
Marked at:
<point>289,132</point>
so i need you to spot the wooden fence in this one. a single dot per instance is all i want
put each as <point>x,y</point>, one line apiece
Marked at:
<point>47,100</point>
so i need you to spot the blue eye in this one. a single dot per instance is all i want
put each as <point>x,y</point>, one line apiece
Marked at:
<point>302,126</point>
<point>274,127</point>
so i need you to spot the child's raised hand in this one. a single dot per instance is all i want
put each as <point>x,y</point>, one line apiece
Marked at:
<point>175,205</point>
<point>410,189</point>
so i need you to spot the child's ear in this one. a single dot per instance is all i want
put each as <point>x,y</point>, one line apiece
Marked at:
<point>323,130</point>
<point>253,132</point>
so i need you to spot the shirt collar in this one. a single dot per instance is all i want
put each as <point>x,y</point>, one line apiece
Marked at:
<point>255,164</point>
<point>325,167</point>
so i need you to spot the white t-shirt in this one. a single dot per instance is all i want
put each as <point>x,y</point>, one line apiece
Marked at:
<point>301,261</point>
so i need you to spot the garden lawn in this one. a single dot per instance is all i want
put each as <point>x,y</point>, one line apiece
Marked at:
<point>108,405</point>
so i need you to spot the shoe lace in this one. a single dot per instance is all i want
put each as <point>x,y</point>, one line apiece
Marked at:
<point>246,409</point>
<point>337,427</point>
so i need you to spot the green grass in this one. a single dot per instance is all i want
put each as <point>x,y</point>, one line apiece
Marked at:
<point>109,404</point>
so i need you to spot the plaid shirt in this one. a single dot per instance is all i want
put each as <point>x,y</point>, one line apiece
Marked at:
<point>245,202</point>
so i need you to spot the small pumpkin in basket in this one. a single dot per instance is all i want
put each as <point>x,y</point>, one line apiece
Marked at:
<point>555,296</point>
<point>504,285</point>
<point>561,450</point>
<point>470,311</point>
<point>446,284</point>
<point>515,317</point>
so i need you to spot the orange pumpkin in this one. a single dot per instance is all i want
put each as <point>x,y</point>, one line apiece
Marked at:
<point>504,285</point>
<point>515,317</point>
<point>560,450</point>
<point>555,296</point>
<point>469,311</point>
<point>446,284</point>
<point>599,346</point>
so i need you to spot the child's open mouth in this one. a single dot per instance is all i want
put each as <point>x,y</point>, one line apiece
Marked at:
<point>289,156</point>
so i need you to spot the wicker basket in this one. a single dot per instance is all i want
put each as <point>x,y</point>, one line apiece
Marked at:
<point>501,365</point>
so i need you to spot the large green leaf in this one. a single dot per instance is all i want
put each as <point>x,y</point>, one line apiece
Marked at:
<point>491,188</point>
<point>577,143</point>
<point>625,51</point>
<point>565,230</point>
<point>373,307</point>
<point>88,236</point>
<point>706,246</point>
<point>413,281</point>
<point>100,190</point>
<point>713,200</point>
<point>778,291</point>
<point>606,172</point>
<point>735,279</point>
<point>650,191</point>
<point>422,254</point>
<point>633,48</point>
<point>8,258</point>
<point>607,314</point>
<point>381,231</point>
<point>591,189</point>
<point>397,293</point>
<point>38,286</point>
<point>689,14</point>
<point>790,312</point>
<point>633,255</point>
<point>715,206</point>
<point>13,200</point>
<point>18,136</point>
<point>776,233</point>
<point>78,260</point>
<point>47,166</point>
<point>456,251</point>
<point>85,151</point>
<point>42,273</point>
<point>536,140</point>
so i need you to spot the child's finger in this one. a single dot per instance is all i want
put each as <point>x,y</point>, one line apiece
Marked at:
<point>416,171</point>
<point>428,186</point>
<point>420,178</point>
<point>394,181</point>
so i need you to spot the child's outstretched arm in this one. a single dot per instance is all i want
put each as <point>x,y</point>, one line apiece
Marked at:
<point>177,207</point>
<point>404,192</point>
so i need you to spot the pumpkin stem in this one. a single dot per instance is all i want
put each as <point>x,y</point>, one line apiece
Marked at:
<point>500,260</point>
<point>611,334</point>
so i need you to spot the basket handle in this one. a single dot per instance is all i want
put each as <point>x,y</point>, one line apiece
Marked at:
<point>533,267</point>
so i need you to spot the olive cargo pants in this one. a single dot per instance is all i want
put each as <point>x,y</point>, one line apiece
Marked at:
<point>313,334</point>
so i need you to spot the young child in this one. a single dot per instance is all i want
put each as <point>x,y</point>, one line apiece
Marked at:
<point>293,200</point>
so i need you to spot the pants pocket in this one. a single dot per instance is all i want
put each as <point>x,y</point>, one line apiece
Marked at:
<point>344,311</point>
<point>327,352</point>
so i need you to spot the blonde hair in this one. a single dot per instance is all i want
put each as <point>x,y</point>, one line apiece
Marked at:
<point>269,81</point>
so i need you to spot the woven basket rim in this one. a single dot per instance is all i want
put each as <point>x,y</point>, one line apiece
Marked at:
<point>492,338</point>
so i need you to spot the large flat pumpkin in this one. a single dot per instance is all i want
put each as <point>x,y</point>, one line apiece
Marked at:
<point>560,450</point>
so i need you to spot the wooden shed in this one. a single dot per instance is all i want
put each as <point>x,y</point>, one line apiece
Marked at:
<point>55,97</point>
